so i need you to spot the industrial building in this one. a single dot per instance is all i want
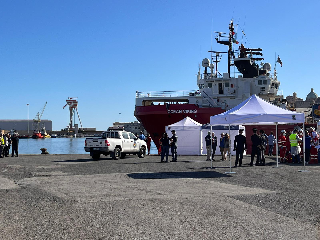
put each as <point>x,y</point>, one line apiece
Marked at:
<point>24,125</point>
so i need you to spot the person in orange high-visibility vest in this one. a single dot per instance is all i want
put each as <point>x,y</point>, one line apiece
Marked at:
<point>283,146</point>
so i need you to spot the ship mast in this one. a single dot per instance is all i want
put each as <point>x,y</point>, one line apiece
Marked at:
<point>231,33</point>
<point>228,43</point>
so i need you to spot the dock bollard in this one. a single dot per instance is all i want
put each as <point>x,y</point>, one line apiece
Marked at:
<point>44,151</point>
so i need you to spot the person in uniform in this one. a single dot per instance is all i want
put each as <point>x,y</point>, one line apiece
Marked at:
<point>174,145</point>
<point>240,144</point>
<point>164,143</point>
<point>15,145</point>
<point>256,145</point>
<point>221,145</point>
<point>208,145</point>
<point>307,142</point>
<point>282,146</point>
<point>214,145</point>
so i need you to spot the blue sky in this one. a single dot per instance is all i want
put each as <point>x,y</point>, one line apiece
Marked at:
<point>104,51</point>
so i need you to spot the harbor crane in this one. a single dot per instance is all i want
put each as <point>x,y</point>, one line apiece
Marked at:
<point>73,108</point>
<point>37,119</point>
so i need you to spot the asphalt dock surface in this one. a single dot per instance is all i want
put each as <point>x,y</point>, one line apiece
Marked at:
<point>75,197</point>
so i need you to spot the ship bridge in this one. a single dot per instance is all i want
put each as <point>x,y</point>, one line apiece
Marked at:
<point>163,97</point>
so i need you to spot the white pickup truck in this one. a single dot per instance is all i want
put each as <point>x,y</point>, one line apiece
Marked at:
<point>117,144</point>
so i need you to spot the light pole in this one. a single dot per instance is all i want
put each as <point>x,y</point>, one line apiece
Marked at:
<point>28,117</point>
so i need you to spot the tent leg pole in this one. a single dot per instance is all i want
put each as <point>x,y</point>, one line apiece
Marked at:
<point>230,152</point>
<point>277,146</point>
<point>304,151</point>
<point>211,146</point>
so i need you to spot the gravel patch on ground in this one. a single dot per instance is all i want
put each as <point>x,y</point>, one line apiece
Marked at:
<point>74,197</point>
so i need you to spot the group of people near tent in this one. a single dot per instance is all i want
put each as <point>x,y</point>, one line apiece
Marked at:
<point>291,145</point>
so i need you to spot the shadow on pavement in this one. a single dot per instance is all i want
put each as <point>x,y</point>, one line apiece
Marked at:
<point>82,160</point>
<point>166,175</point>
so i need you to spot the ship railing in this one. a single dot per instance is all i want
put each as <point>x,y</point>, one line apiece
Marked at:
<point>159,94</point>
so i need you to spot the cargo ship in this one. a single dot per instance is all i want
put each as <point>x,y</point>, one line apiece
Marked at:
<point>216,92</point>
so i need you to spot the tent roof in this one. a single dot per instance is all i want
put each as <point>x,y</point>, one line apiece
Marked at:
<point>186,122</point>
<point>255,110</point>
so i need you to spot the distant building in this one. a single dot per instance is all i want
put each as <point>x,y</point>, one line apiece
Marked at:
<point>22,125</point>
<point>299,105</point>
<point>134,127</point>
<point>295,102</point>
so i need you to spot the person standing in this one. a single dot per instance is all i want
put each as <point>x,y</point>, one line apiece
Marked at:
<point>15,145</point>
<point>142,136</point>
<point>226,150</point>
<point>211,144</point>
<point>214,145</point>
<point>7,143</point>
<point>256,145</point>
<point>264,142</point>
<point>314,143</point>
<point>174,145</point>
<point>283,146</point>
<point>294,146</point>
<point>148,141</point>
<point>164,143</point>
<point>2,144</point>
<point>208,145</point>
<point>221,145</point>
<point>307,142</point>
<point>271,142</point>
<point>240,144</point>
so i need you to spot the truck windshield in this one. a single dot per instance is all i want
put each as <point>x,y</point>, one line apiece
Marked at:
<point>110,135</point>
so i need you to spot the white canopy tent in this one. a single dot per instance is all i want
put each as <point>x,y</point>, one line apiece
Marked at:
<point>255,110</point>
<point>189,136</point>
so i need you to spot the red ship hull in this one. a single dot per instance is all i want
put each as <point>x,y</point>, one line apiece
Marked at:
<point>156,117</point>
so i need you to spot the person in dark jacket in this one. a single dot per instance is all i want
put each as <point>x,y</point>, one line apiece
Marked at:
<point>256,147</point>
<point>221,145</point>
<point>174,145</point>
<point>240,144</point>
<point>264,142</point>
<point>164,143</point>
<point>148,141</point>
<point>213,140</point>
<point>15,144</point>
<point>307,142</point>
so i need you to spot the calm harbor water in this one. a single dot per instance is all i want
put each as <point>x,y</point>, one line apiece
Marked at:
<point>57,146</point>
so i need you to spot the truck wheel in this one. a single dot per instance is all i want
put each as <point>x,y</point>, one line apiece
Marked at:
<point>142,152</point>
<point>116,154</point>
<point>122,155</point>
<point>96,156</point>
